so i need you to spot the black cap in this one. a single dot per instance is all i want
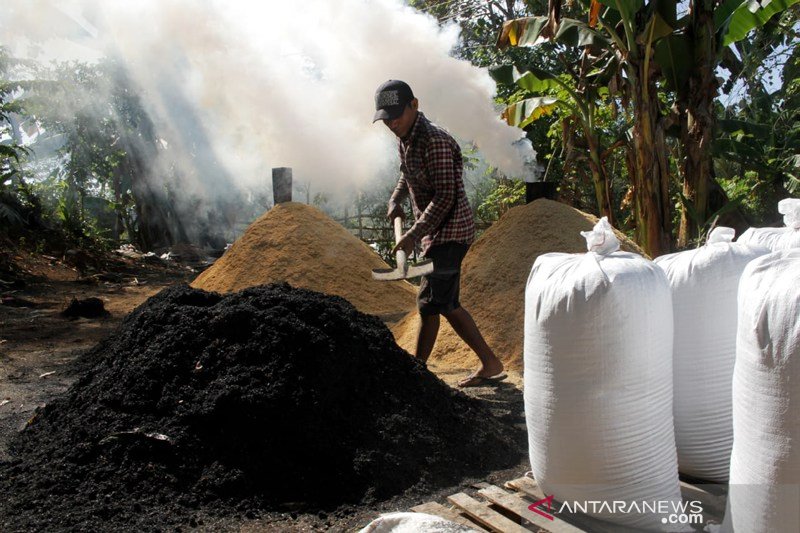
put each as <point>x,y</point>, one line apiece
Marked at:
<point>391,99</point>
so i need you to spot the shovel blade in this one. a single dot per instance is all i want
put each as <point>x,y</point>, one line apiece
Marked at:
<point>387,274</point>
<point>422,268</point>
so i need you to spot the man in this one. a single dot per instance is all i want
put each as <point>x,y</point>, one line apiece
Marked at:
<point>431,176</point>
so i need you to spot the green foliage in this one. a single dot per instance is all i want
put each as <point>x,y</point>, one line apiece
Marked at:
<point>674,54</point>
<point>67,195</point>
<point>753,195</point>
<point>705,224</point>
<point>627,29</point>
<point>540,94</point>
<point>502,195</point>
<point>758,146</point>
<point>12,154</point>
<point>743,20</point>
<point>525,112</point>
<point>789,113</point>
<point>9,214</point>
<point>103,125</point>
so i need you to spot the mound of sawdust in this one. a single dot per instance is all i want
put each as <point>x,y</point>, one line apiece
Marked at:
<point>494,274</point>
<point>304,247</point>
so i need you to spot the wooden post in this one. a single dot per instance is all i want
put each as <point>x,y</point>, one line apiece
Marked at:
<point>282,185</point>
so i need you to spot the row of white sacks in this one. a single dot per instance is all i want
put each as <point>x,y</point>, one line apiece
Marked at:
<point>629,377</point>
<point>635,369</point>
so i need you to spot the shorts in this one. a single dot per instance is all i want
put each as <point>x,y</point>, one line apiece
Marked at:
<point>438,291</point>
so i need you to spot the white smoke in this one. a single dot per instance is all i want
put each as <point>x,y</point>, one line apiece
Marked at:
<point>256,85</point>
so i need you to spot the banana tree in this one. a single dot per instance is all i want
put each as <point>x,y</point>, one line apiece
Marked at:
<point>689,58</point>
<point>551,92</point>
<point>650,42</point>
<point>628,30</point>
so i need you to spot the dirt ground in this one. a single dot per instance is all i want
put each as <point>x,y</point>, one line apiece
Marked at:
<point>39,348</point>
<point>37,344</point>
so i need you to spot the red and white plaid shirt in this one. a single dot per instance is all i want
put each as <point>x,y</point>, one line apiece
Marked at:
<point>431,171</point>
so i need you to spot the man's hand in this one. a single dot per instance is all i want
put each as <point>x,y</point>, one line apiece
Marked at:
<point>395,211</point>
<point>406,243</point>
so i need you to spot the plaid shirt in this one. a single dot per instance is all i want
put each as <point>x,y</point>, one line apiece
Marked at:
<point>430,170</point>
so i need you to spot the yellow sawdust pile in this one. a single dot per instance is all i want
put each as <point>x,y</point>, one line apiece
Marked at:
<point>303,246</point>
<point>494,274</point>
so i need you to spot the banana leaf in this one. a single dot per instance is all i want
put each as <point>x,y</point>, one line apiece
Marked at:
<point>743,19</point>
<point>524,112</point>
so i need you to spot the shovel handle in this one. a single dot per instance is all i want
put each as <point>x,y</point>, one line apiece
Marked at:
<point>400,255</point>
<point>398,229</point>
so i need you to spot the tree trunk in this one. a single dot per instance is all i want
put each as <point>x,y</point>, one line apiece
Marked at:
<point>158,223</point>
<point>118,219</point>
<point>152,224</point>
<point>16,128</point>
<point>697,128</point>
<point>599,178</point>
<point>651,176</point>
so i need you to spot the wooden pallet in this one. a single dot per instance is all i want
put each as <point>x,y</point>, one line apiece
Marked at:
<point>507,510</point>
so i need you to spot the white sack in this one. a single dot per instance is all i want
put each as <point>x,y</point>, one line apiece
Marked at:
<point>766,237</point>
<point>704,284</point>
<point>790,209</point>
<point>598,382</point>
<point>414,523</point>
<point>601,239</point>
<point>776,239</point>
<point>764,493</point>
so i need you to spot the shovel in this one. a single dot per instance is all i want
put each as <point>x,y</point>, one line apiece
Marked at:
<point>403,270</point>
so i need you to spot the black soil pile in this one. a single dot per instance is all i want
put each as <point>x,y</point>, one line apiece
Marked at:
<point>266,399</point>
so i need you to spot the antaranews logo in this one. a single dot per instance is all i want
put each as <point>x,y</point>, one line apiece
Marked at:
<point>535,507</point>
<point>672,512</point>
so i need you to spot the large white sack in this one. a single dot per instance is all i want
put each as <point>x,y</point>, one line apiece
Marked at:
<point>764,494</point>
<point>776,239</point>
<point>704,284</point>
<point>598,382</point>
<point>773,238</point>
<point>414,523</point>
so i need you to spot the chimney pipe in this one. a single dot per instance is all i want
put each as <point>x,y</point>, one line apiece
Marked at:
<point>540,189</point>
<point>282,185</point>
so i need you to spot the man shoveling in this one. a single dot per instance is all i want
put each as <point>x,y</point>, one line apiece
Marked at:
<point>431,177</point>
